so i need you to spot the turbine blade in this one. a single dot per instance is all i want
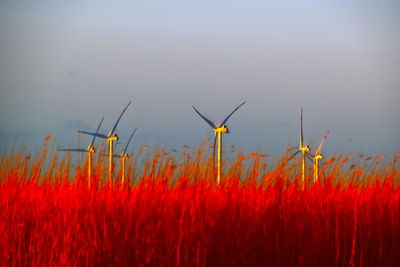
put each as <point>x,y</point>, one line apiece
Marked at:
<point>318,151</point>
<point>97,132</point>
<point>72,149</point>
<point>301,128</point>
<point>309,154</point>
<point>94,134</point>
<point>310,158</point>
<point>204,118</point>
<point>119,118</point>
<point>127,144</point>
<point>227,118</point>
<point>215,142</point>
<point>294,155</point>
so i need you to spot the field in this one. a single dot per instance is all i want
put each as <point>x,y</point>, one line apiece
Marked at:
<point>170,212</point>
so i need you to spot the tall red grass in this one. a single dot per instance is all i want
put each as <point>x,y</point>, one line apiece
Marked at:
<point>170,212</point>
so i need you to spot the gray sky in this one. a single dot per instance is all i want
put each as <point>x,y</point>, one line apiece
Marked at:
<point>64,64</point>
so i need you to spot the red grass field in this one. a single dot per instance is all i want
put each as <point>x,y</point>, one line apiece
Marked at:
<point>171,213</point>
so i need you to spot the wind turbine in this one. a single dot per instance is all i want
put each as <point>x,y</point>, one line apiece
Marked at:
<point>317,157</point>
<point>111,137</point>
<point>304,152</point>
<point>90,150</point>
<point>218,131</point>
<point>123,156</point>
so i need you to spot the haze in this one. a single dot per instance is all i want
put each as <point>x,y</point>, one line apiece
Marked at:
<point>65,64</point>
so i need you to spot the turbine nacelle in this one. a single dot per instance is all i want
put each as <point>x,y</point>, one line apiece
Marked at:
<point>304,148</point>
<point>318,157</point>
<point>221,129</point>
<point>113,137</point>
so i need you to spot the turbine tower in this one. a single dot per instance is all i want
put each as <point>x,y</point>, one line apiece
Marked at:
<point>111,137</point>
<point>218,131</point>
<point>90,150</point>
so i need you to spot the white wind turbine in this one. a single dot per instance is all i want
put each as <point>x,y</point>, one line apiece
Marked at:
<point>111,137</point>
<point>218,131</point>
<point>304,151</point>
<point>124,156</point>
<point>90,150</point>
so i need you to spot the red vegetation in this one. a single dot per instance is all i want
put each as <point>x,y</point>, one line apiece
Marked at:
<point>199,225</point>
<point>48,217</point>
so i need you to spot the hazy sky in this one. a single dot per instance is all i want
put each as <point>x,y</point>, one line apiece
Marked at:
<point>64,64</point>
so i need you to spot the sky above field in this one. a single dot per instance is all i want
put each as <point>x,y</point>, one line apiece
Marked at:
<point>65,64</point>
